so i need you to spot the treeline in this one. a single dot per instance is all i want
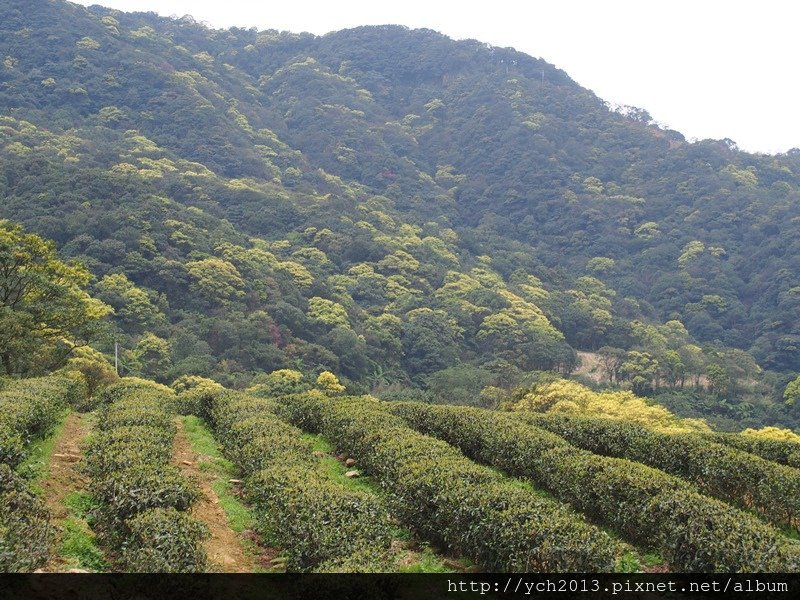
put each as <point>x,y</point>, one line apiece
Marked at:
<point>395,207</point>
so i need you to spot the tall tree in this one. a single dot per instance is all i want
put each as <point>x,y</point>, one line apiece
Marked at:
<point>45,311</point>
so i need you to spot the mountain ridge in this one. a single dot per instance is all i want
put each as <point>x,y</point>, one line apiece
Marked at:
<point>436,175</point>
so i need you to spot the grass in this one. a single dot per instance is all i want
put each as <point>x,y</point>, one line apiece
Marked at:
<point>36,465</point>
<point>79,546</point>
<point>333,470</point>
<point>240,517</point>
<point>80,504</point>
<point>790,532</point>
<point>424,560</point>
<point>652,559</point>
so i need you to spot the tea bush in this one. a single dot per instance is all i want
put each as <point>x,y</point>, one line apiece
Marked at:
<point>783,452</point>
<point>732,475</point>
<point>143,500</point>
<point>25,530</point>
<point>452,501</point>
<point>318,522</point>
<point>622,494</point>
<point>29,409</point>
<point>164,540</point>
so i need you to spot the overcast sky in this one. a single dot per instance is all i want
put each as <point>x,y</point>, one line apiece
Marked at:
<point>708,68</point>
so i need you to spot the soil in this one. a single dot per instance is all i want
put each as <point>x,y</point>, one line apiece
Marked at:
<point>590,366</point>
<point>64,476</point>
<point>224,547</point>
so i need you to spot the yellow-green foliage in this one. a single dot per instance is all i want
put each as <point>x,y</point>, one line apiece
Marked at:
<point>773,433</point>
<point>451,500</point>
<point>569,397</point>
<point>692,532</point>
<point>329,384</point>
<point>91,369</point>
<point>327,313</point>
<point>184,383</point>
<point>278,383</point>
<point>193,392</point>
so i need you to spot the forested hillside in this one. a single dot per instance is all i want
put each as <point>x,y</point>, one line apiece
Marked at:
<point>407,211</point>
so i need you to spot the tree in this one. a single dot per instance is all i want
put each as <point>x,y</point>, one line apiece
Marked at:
<point>45,311</point>
<point>329,384</point>
<point>132,305</point>
<point>151,357</point>
<point>792,392</point>
<point>611,360</point>
<point>640,368</point>
<point>216,280</point>
<point>430,341</point>
<point>718,379</point>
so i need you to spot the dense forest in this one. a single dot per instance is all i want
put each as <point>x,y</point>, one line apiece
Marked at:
<point>379,301</point>
<point>426,218</point>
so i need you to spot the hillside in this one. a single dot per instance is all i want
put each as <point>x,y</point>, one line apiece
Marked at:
<point>394,206</point>
<point>142,478</point>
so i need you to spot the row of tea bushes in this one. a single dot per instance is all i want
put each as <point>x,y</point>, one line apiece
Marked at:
<point>320,524</point>
<point>25,530</point>
<point>693,532</point>
<point>144,501</point>
<point>783,452</point>
<point>738,477</point>
<point>449,499</point>
<point>29,409</point>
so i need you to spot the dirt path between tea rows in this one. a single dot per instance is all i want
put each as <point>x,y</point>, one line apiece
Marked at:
<point>64,477</point>
<point>225,551</point>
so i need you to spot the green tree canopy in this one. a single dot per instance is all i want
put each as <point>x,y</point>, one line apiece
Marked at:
<point>45,311</point>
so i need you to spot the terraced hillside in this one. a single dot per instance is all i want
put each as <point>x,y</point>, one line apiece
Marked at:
<point>318,481</point>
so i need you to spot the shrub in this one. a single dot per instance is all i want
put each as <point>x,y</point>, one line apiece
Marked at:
<point>784,452</point>
<point>140,495</point>
<point>125,493</point>
<point>25,530</point>
<point>317,521</point>
<point>141,414</point>
<point>128,385</point>
<point>688,527</point>
<point>738,477</point>
<point>195,394</point>
<point>164,540</point>
<point>620,493</point>
<point>12,446</point>
<point>453,501</point>
<point>30,408</point>
<point>314,519</point>
<point>106,459</point>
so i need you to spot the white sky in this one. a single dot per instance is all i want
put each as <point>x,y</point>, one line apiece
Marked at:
<point>708,68</point>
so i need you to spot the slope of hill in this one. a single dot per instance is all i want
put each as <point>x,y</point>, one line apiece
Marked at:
<point>394,206</point>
